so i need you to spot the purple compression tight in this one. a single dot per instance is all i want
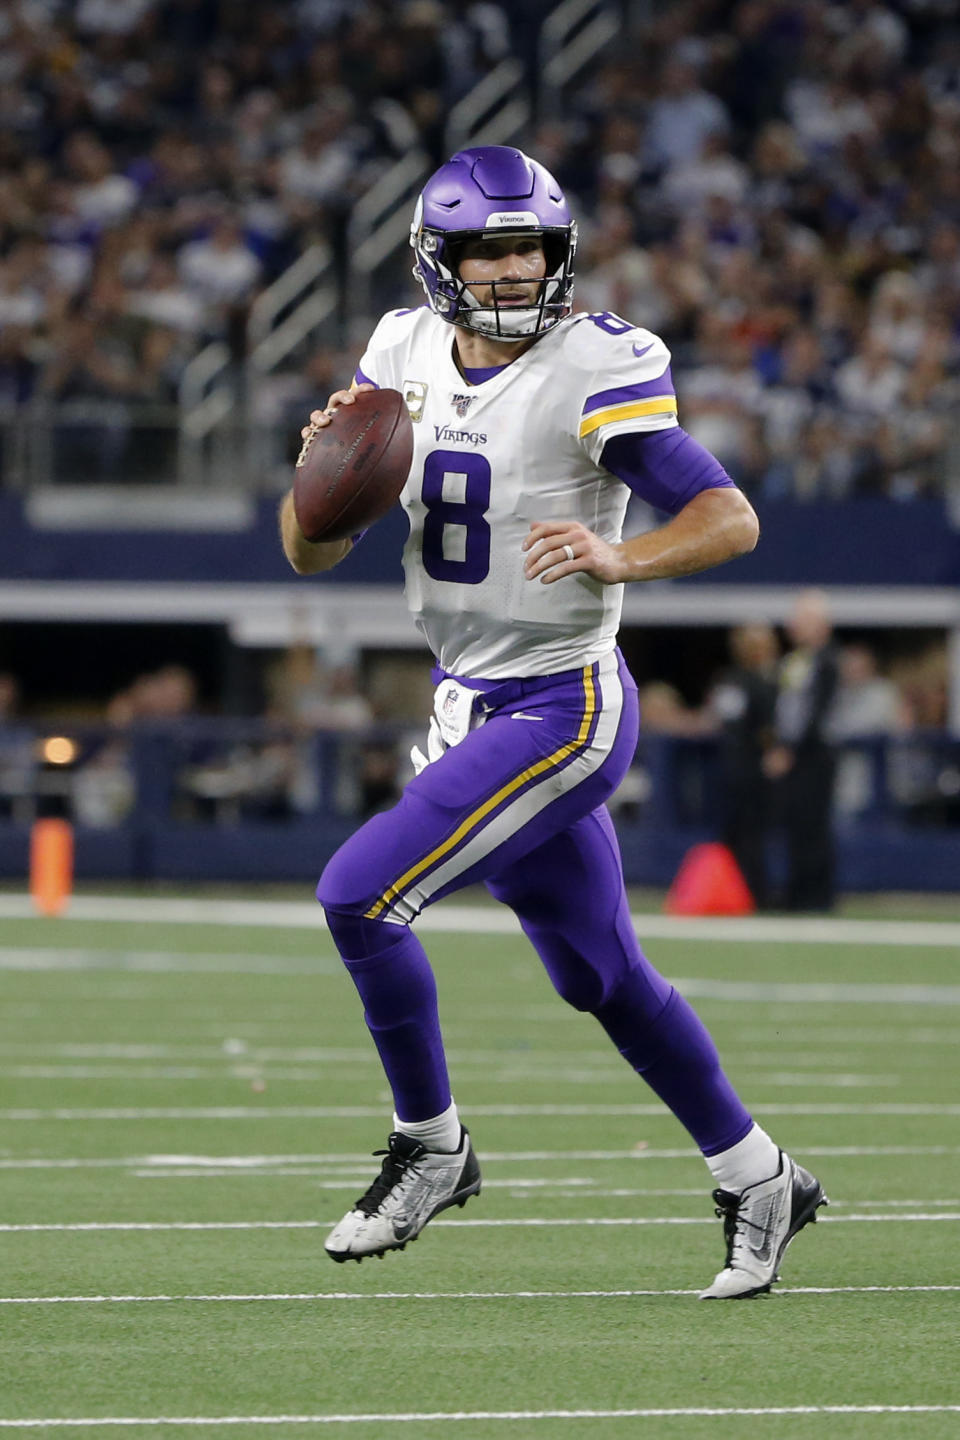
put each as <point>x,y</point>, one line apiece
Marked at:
<point>518,805</point>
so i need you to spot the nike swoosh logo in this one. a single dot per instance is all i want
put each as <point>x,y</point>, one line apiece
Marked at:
<point>402,1228</point>
<point>764,1252</point>
<point>519,715</point>
<point>638,352</point>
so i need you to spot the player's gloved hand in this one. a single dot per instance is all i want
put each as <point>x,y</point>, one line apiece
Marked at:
<point>319,419</point>
<point>555,548</point>
<point>435,748</point>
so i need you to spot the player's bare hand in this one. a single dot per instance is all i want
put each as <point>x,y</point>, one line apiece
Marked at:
<point>319,419</point>
<point>555,548</point>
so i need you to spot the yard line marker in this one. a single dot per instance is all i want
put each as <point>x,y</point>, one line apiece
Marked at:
<point>370,1112</point>
<point>524,1222</point>
<point>148,1164</point>
<point>487,920</point>
<point>162,962</point>
<point>446,1416</point>
<point>349,1295</point>
<point>742,992</point>
<point>815,993</point>
<point>250,1068</point>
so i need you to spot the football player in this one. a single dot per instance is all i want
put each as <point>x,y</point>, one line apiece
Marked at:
<point>532,427</point>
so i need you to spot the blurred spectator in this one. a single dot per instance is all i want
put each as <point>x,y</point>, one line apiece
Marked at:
<point>103,788</point>
<point>682,117</point>
<point>802,760</point>
<point>17,762</point>
<point>665,712</point>
<point>221,269</point>
<point>744,701</point>
<point>772,187</point>
<point>721,394</point>
<point>866,705</point>
<point>320,692</point>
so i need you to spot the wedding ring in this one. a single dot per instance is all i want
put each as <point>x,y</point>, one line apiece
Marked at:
<point>568,551</point>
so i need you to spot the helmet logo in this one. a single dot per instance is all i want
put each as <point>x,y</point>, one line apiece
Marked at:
<point>500,219</point>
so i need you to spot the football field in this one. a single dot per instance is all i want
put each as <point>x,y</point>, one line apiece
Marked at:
<point>188,1099</point>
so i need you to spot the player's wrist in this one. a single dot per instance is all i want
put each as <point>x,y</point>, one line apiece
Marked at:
<point>624,568</point>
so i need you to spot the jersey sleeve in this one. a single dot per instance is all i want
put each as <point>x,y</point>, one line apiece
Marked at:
<point>630,391</point>
<point>379,363</point>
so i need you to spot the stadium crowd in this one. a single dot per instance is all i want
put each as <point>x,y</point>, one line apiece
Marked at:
<point>772,185</point>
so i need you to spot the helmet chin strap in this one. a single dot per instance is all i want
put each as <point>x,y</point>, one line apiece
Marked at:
<point>515,324</point>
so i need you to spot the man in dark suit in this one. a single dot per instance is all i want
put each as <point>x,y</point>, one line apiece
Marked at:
<point>803,760</point>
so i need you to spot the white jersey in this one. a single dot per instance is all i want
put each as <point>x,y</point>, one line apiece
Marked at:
<point>491,458</point>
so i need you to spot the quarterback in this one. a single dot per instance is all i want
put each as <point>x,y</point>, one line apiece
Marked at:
<point>532,427</point>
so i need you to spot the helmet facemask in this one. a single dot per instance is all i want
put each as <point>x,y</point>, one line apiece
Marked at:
<point>514,322</point>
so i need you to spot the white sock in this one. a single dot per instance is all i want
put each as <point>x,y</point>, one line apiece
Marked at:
<point>440,1133</point>
<point>752,1159</point>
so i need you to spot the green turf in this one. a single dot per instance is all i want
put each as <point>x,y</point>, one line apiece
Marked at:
<point>260,1024</point>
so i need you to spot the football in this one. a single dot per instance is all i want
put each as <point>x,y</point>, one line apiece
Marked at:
<point>350,473</point>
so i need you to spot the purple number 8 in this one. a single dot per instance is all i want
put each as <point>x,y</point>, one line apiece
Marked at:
<point>612,324</point>
<point>468,513</point>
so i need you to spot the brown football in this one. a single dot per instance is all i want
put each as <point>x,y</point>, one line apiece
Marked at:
<point>351,472</point>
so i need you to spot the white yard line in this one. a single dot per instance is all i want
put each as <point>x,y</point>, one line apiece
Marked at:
<point>370,1112</point>
<point>161,961</point>
<point>252,1069</point>
<point>740,991</point>
<point>274,1297</point>
<point>484,920</point>
<point>240,1163</point>
<point>526,1222</point>
<point>447,1416</point>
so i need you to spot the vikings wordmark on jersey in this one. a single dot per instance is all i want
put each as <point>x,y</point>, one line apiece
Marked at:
<point>530,451</point>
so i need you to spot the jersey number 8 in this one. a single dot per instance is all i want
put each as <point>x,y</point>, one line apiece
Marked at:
<point>467,515</point>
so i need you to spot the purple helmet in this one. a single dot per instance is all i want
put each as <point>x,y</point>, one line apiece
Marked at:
<point>493,191</point>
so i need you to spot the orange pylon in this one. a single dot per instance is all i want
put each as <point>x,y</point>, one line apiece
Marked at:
<point>51,865</point>
<point>709,882</point>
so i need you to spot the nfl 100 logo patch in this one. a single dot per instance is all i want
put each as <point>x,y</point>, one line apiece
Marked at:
<point>462,403</point>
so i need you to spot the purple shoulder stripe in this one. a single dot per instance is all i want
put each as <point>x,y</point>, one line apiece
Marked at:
<point>361,379</point>
<point>623,394</point>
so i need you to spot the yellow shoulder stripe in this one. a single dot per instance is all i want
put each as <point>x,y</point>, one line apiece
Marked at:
<point>629,410</point>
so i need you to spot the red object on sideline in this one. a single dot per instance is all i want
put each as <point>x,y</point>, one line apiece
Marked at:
<point>709,882</point>
<point>51,865</point>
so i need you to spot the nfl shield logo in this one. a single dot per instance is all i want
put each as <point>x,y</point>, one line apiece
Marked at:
<point>450,701</point>
<point>462,403</point>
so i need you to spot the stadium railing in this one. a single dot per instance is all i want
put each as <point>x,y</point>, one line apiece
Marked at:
<point>238,798</point>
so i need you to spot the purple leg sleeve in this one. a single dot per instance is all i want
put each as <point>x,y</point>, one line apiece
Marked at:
<point>391,971</point>
<point>570,899</point>
<point>676,1056</point>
